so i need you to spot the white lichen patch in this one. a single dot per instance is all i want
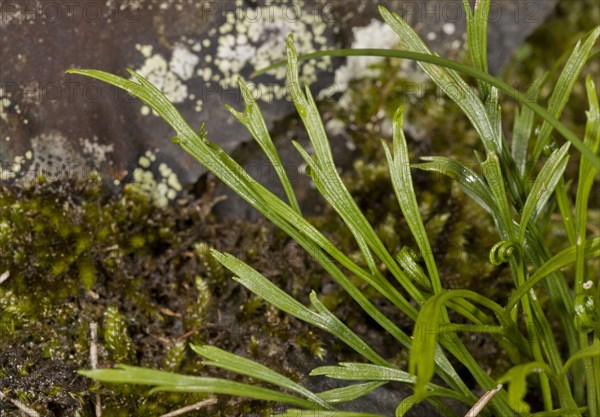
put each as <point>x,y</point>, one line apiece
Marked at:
<point>97,151</point>
<point>156,70</point>
<point>183,62</point>
<point>53,156</point>
<point>160,188</point>
<point>256,41</point>
<point>169,77</point>
<point>376,34</point>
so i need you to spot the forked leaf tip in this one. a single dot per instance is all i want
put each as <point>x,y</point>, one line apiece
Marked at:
<point>215,253</point>
<point>290,46</point>
<point>399,115</point>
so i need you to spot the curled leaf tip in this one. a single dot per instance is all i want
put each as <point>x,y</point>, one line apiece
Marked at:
<point>501,252</point>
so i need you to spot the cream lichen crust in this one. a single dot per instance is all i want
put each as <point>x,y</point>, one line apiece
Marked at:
<point>246,40</point>
<point>168,76</point>
<point>257,39</point>
<point>160,190</point>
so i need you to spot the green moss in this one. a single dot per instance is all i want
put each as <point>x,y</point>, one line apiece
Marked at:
<point>145,274</point>
<point>116,337</point>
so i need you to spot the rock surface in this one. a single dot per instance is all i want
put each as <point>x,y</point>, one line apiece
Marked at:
<point>60,125</point>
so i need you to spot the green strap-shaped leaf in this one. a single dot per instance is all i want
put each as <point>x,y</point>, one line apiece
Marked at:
<point>346,208</point>
<point>564,87</point>
<point>412,400</point>
<point>333,189</point>
<point>560,260</point>
<point>587,352</point>
<point>253,119</point>
<point>353,371</point>
<point>323,318</point>
<point>167,381</point>
<point>523,125</point>
<point>399,166</point>
<point>477,22</point>
<point>448,81</point>
<point>495,180</point>
<point>406,259</point>
<point>350,392</point>
<point>516,378</point>
<point>234,363</point>
<point>543,187</point>
<point>323,413</point>
<point>469,180</point>
<point>427,328</point>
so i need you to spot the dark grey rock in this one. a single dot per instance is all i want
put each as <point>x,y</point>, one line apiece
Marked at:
<point>62,125</point>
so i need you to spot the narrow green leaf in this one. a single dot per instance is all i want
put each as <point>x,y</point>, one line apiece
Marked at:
<point>253,120</point>
<point>560,260</point>
<point>353,371</point>
<point>493,175</point>
<point>523,125</point>
<point>349,393</point>
<point>469,180</point>
<point>564,87</point>
<point>264,288</point>
<point>167,381</point>
<point>406,259</point>
<point>367,372</point>
<point>560,412</point>
<point>456,66</point>
<point>399,166</point>
<point>331,186</point>
<point>322,319</point>
<point>323,413</point>
<point>516,378</point>
<point>587,173</point>
<point>513,180</point>
<point>543,187</point>
<point>429,323</point>
<point>587,352</point>
<point>412,400</point>
<point>477,22</point>
<point>448,81</point>
<point>335,326</point>
<point>234,363</point>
